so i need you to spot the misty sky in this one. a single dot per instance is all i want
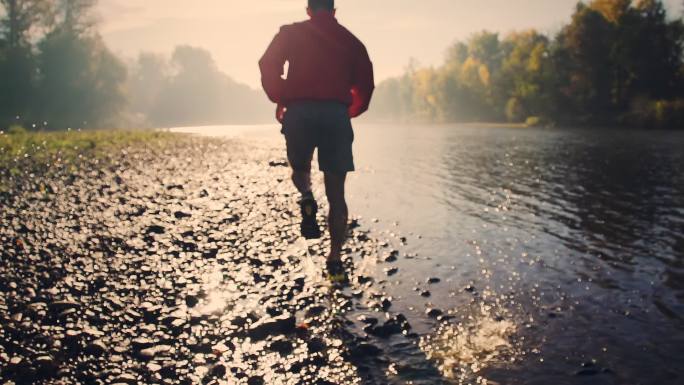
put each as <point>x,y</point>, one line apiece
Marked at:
<point>238,31</point>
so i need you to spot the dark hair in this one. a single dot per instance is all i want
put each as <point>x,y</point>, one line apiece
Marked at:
<point>327,5</point>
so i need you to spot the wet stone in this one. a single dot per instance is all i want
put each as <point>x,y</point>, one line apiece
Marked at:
<point>156,229</point>
<point>316,345</point>
<point>278,163</point>
<point>181,215</point>
<point>66,313</point>
<point>218,371</point>
<point>147,354</point>
<point>386,330</point>
<point>96,348</point>
<point>256,380</point>
<point>433,312</point>
<point>126,378</point>
<point>315,311</point>
<point>62,306</point>
<point>142,343</point>
<point>367,320</point>
<point>282,347</point>
<point>191,301</point>
<point>46,365</point>
<point>261,329</point>
<point>364,350</point>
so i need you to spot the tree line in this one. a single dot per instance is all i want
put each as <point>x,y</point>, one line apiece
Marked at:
<point>56,72</point>
<point>618,62</point>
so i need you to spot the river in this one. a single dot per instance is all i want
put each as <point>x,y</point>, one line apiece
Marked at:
<point>560,253</point>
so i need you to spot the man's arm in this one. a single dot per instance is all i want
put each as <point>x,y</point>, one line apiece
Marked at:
<point>271,65</point>
<point>364,84</point>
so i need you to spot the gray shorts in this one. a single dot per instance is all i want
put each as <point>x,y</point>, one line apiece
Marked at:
<point>325,125</point>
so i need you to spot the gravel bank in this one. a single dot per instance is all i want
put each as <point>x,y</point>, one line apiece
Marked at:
<point>180,265</point>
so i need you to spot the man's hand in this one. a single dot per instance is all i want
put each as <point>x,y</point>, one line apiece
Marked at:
<point>355,109</point>
<point>280,113</point>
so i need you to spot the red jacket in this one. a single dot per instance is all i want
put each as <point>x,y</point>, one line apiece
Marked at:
<point>326,62</point>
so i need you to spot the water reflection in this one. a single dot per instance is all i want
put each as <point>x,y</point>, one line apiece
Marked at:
<point>577,234</point>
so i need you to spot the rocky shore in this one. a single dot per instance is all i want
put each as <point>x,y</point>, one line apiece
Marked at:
<point>179,265</point>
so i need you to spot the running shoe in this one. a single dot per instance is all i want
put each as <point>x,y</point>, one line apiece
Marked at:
<point>336,272</point>
<point>309,225</point>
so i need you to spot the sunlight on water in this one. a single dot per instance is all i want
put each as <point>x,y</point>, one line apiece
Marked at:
<point>462,351</point>
<point>229,131</point>
<point>220,294</point>
<point>216,302</point>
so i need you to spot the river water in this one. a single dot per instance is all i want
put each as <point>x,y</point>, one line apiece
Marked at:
<point>560,253</point>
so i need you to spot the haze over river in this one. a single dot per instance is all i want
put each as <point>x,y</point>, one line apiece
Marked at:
<point>560,253</point>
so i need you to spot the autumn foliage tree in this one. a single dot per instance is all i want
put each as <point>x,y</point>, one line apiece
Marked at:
<point>617,62</point>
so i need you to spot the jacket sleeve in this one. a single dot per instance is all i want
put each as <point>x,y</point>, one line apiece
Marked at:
<point>272,65</point>
<point>363,85</point>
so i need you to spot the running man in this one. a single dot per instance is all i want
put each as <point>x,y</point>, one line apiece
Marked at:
<point>329,81</point>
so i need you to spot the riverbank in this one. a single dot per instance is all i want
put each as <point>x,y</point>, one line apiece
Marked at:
<point>18,145</point>
<point>178,264</point>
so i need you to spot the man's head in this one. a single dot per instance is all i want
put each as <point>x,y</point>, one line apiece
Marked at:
<point>321,5</point>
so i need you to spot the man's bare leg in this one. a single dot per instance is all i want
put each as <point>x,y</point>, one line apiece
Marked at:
<point>302,181</point>
<point>338,215</point>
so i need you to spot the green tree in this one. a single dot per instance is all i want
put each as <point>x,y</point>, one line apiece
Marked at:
<point>21,17</point>
<point>617,52</point>
<point>148,77</point>
<point>525,77</point>
<point>584,48</point>
<point>81,82</point>
<point>196,92</point>
<point>76,15</point>
<point>192,95</point>
<point>650,35</point>
<point>17,64</point>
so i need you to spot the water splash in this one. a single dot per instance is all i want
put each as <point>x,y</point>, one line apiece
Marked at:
<point>464,350</point>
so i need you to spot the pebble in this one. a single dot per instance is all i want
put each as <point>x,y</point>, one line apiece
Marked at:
<point>218,371</point>
<point>433,312</point>
<point>255,380</point>
<point>61,306</point>
<point>261,329</point>
<point>365,350</point>
<point>96,348</point>
<point>283,347</point>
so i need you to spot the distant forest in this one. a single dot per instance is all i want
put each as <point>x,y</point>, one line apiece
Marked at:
<point>57,73</point>
<point>618,62</point>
